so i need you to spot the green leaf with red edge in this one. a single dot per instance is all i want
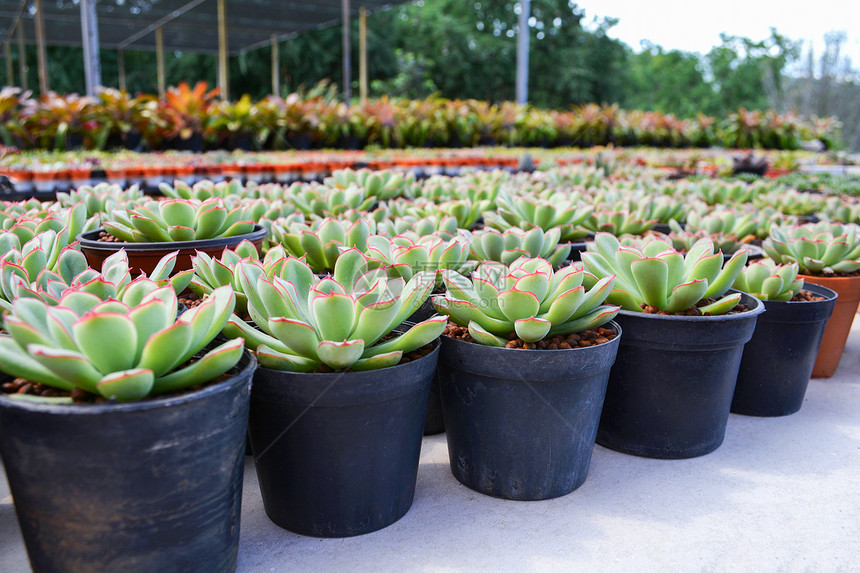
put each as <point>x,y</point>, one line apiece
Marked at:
<point>723,305</point>
<point>165,348</point>
<point>337,354</point>
<point>16,362</point>
<point>516,304</point>
<point>108,340</point>
<point>532,329</point>
<point>334,315</point>
<point>482,336</point>
<point>651,277</point>
<point>298,336</point>
<point>374,320</point>
<point>378,361</point>
<point>565,305</point>
<point>127,385</point>
<point>276,360</point>
<point>179,213</point>
<point>686,295</point>
<point>210,221</point>
<point>150,229</point>
<point>67,364</point>
<point>422,333</point>
<point>597,317</point>
<point>214,363</point>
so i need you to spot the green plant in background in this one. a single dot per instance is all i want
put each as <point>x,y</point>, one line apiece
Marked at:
<point>382,185</point>
<point>407,254</point>
<point>767,280</point>
<point>618,222</point>
<point>506,247</point>
<point>444,226</point>
<point>337,321</point>
<point>324,201</point>
<point>177,220</point>
<point>202,190</point>
<point>817,248</point>
<point>527,298</point>
<point>659,276</point>
<point>66,346</point>
<point>530,212</point>
<point>101,198</point>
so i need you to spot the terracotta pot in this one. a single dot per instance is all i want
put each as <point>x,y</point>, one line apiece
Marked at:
<point>143,257</point>
<point>838,327</point>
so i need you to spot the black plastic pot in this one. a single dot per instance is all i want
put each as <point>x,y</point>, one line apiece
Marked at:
<point>141,486</point>
<point>337,454</point>
<point>671,387</point>
<point>521,424</point>
<point>434,422</point>
<point>777,361</point>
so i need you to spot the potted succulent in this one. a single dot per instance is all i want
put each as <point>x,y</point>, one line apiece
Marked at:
<point>523,376</point>
<point>147,232</point>
<point>827,254</point>
<point>671,387</point>
<point>125,430</point>
<point>335,401</point>
<point>778,360</point>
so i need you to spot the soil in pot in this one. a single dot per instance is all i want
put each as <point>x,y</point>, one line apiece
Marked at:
<point>521,423</point>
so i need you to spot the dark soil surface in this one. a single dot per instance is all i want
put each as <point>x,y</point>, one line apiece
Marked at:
<point>807,296</point>
<point>695,310</point>
<point>832,275</point>
<point>105,237</point>
<point>577,340</point>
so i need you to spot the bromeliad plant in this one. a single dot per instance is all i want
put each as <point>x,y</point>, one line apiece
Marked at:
<point>659,276</point>
<point>506,247</point>
<point>820,248</point>
<point>767,280</point>
<point>338,321</point>
<point>527,298</point>
<point>177,220</point>
<point>118,350</point>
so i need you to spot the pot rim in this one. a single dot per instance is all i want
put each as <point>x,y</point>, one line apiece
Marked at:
<point>612,324</point>
<point>245,371</point>
<point>756,309</point>
<point>258,234</point>
<point>323,375</point>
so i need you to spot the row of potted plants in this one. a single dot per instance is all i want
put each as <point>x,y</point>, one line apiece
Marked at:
<point>574,337</point>
<point>191,118</point>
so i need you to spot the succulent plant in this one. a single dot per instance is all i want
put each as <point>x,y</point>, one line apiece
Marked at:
<point>725,221</point>
<point>382,185</point>
<point>322,242</point>
<point>767,280</point>
<point>817,248</point>
<point>177,220</point>
<point>45,270</point>
<point>529,212</point>
<point>443,226</point>
<point>118,350</point>
<point>506,247</point>
<point>527,298</point>
<point>842,210</point>
<point>338,321</point>
<point>324,201</point>
<point>618,222</point>
<point>659,276</point>
<point>407,254</point>
<point>101,198</point>
<point>202,190</point>
<point>210,273</point>
<point>67,223</point>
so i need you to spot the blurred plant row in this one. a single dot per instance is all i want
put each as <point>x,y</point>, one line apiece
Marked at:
<point>193,118</point>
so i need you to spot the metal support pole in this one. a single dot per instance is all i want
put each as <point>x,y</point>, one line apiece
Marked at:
<point>276,67</point>
<point>362,54</point>
<point>347,78</point>
<point>10,72</point>
<point>120,62</point>
<point>22,57</point>
<point>222,49</point>
<point>40,44</point>
<point>90,37</point>
<point>159,60</point>
<point>523,54</point>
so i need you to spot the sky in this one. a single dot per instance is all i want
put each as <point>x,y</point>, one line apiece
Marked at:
<point>695,25</point>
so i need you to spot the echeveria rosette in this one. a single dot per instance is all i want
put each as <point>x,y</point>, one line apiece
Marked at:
<point>321,243</point>
<point>618,222</point>
<point>819,248</point>
<point>546,213</point>
<point>409,253</point>
<point>527,298</point>
<point>117,350</point>
<point>103,197</point>
<point>442,226</point>
<point>381,185</point>
<point>325,201</point>
<point>657,275</point>
<point>338,321</point>
<point>725,222</point>
<point>45,270</point>
<point>767,280</point>
<point>506,247</point>
<point>202,190</point>
<point>174,220</point>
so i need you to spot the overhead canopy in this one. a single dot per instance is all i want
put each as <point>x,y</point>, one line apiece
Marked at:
<point>188,25</point>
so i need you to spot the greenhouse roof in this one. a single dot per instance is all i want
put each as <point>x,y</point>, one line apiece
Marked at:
<point>187,25</point>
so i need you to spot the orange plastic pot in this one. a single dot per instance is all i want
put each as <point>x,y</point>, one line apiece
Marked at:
<point>839,326</point>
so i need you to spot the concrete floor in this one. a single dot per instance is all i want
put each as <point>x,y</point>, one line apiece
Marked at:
<point>780,494</point>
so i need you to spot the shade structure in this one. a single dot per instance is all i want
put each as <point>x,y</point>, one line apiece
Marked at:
<point>188,25</point>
